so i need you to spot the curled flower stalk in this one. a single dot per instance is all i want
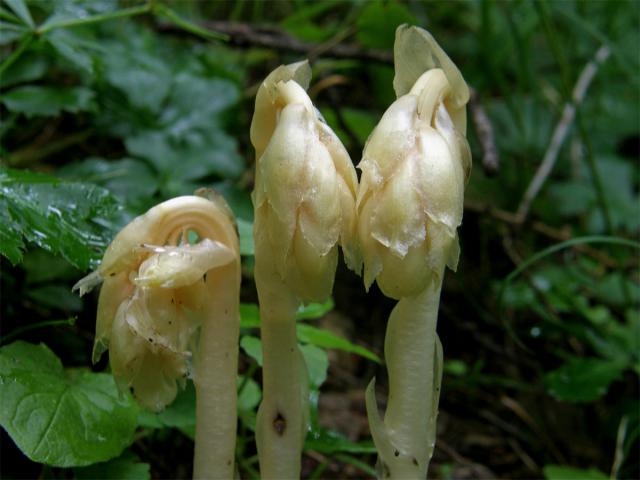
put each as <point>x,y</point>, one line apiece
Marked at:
<point>414,169</point>
<point>304,201</point>
<point>169,309</point>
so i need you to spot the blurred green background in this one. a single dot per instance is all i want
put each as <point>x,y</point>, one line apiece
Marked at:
<point>109,107</point>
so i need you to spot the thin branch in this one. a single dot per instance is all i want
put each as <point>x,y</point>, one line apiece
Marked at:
<point>561,131</point>
<point>484,130</point>
<point>554,233</point>
<point>248,35</point>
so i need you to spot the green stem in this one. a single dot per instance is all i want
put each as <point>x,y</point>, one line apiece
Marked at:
<point>49,323</point>
<point>75,22</point>
<point>24,44</point>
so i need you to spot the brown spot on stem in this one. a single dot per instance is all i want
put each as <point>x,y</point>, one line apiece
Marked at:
<point>279,424</point>
<point>415,461</point>
<point>396,453</point>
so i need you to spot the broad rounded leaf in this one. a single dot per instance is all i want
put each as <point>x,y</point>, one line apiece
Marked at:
<point>61,418</point>
<point>48,101</point>
<point>583,379</point>
<point>125,467</point>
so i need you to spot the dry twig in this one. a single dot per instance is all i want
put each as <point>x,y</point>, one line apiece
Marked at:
<point>561,131</point>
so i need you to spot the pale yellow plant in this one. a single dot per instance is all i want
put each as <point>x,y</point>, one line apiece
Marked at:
<point>304,200</point>
<point>169,309</point>
<point>414,168</point>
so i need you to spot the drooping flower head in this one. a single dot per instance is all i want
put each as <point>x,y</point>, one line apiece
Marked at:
<point>414,168</point>
<point>155,293</point>
<point>305,185</point>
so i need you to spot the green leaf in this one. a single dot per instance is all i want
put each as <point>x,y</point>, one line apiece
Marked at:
<point>317,364</point>
<point>74,49</point>
<point>249,315</point>
<point>128,179</point>
<point>55,296</point>
<point>250,395</point>
<point>10,32</point>
<point>558,472</point>
<point>378,22</point>
<point>196,102</point>
<point>48,101</point>
<point>26,68</point>
<point>187,25</point>
<point>329,442</point>
<point>142,77</point>
<point>360,122</point>
<point>245,231</point>
<point>190,158</point>
<point>181,414</point>
<point>326,339</point>
<point>314,310</point>
<point>456,367</point>
<point>252,347</point>
<point>126,467</point>
<point>583,379</point>
<point>68,219</point>
<point>21,10</point>
<point>64,419</point>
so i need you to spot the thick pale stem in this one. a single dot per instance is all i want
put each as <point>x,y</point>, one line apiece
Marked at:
<point>282,416</point>
<point>412,353</point>
<point>216,369</point>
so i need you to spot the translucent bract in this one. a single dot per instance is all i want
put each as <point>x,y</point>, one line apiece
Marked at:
<point>154,298</point>
<point>305,186</point>
<point>414,168</point>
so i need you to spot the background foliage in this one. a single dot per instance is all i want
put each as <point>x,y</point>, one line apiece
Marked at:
<point>111,107</point>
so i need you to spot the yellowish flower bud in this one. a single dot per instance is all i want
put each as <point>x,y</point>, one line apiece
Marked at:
<point>305,186</point>
<point>154,297</point>
<point>414,168</point>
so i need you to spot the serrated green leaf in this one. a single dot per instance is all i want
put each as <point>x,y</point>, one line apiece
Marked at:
<point>195,102</point>
<point>68,219</point>
<point>11,245</point>
<point>74,49</point>
<point>326,339</point>
<point>559,472</point>
<point>126,467</point>
<point>28,67</point>
<point>10,32</point>
<point>142,77</point>
<point>128,179</point>
<point>47,101</point>
<point>21,10</point>
<point>190,158</point>
<point>583,379</point>
<point>59,418</point>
